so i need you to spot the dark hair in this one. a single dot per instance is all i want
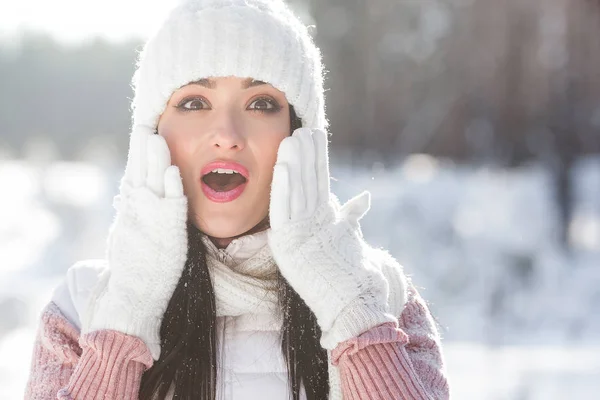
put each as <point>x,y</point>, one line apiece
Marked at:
<point>188,358</point>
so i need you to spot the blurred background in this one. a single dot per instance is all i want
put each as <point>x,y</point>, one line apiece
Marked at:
<point>475,124</point>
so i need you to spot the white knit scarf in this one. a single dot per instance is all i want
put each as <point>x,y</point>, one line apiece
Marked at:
<point>250,286</point>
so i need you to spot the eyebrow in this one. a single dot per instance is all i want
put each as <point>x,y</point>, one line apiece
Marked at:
<point>211,84</point>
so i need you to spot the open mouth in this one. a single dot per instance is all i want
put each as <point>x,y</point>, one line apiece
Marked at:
<point>223,180</point>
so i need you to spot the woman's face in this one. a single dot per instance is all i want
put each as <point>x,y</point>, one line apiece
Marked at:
<point>236,121</point>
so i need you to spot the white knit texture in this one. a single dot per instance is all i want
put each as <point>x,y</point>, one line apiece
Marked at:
<point>147,246</point>
<point>260,39</point>
<point>249,288</point>
<point>325,260</point>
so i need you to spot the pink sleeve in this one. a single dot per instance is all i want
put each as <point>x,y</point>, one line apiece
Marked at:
<point>395,362</point>
<point>99,365</point>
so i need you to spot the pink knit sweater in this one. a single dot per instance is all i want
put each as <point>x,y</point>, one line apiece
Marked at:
<point>402,361</point>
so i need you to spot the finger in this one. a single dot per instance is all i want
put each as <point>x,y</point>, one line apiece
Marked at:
<point>322,162</point>
<point>135,171</point>
<point>308,169</point>
<point>173,182</point>
<point>289,153</point>
<point>279,207</point>
<point>159,159</point>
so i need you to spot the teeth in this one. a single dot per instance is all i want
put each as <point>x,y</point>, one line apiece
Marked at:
<point>224,171</point>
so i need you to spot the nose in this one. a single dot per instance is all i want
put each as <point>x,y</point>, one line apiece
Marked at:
<point>228,132</point>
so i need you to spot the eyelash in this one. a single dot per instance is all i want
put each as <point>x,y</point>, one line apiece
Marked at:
<point>275,105</point>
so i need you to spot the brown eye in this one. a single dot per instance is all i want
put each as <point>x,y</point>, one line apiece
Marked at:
<point>264,104</point>
<point>195,103</point>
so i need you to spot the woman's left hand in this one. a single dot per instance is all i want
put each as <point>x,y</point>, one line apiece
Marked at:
<point>318,245</point>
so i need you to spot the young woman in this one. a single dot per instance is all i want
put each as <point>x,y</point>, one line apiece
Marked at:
<point>231,270</point>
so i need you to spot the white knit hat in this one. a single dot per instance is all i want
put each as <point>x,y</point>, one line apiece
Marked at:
<point>259,39</point>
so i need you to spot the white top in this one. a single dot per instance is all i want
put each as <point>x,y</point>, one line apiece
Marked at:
<point>249,344</point>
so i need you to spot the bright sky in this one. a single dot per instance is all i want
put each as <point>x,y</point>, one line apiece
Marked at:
<point>76,20</point>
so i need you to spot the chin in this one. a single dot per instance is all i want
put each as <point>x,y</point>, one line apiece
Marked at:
<point>223,228</point>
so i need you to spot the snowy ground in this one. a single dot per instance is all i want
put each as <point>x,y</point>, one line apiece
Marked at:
<point>518,315</point>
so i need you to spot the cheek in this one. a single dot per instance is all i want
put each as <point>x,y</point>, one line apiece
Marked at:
<point>267,155</point>
<point>177,139</point>
<point>272,137</point>
<point>175,147</point>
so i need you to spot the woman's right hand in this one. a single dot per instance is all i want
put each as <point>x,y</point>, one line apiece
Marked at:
<point>147,245</point>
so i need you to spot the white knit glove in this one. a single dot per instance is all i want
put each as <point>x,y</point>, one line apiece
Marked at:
<point>147,246</point>
<point>318,245</point>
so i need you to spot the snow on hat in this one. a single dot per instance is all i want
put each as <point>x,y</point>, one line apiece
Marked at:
<point>259,39</point>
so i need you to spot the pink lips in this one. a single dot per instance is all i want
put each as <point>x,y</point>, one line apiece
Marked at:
<point>223,197</point>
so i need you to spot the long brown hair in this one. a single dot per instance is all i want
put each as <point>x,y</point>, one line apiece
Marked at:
<point>188,358</point>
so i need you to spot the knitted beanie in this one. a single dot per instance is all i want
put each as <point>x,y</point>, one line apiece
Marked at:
<point>259,39</point>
